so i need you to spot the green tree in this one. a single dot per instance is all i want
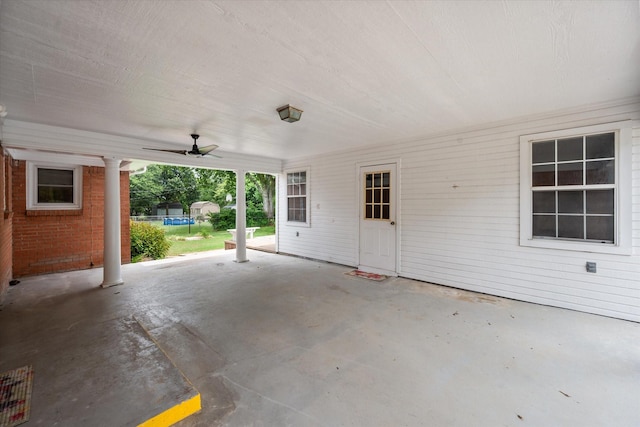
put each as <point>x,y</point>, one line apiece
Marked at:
<point>266,185</point>
<point>163,183</point>
<point>214,185</point>
<point>144,193</point>
<point>207,181</point>
<point>178,185</point>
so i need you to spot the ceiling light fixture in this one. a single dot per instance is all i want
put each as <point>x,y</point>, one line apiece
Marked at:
<point>289,114</point>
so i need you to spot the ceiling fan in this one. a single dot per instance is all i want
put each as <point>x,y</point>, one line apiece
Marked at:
<point>195,150</point>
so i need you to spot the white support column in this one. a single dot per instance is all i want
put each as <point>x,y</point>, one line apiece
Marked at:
<point>112,255</point>
<point>241,218</point>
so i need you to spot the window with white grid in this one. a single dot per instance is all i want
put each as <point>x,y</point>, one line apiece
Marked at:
<point>297,206</point>
<point>575,189</point>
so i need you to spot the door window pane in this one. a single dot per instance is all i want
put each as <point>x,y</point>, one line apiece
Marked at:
<point>377,195</point>
<point>385,212</point>
<point>385,195</point>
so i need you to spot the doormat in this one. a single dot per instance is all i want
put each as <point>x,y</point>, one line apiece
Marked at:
<point>15,396</point>
<point>365,275</point>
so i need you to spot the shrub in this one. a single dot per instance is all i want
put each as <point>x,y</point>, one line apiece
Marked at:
<point>223,220</point>
<point>226,219</point>
<point>147,241</point>
<point>256,217</point>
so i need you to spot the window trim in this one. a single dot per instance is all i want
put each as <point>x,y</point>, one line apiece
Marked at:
<point>306,223</point>
<point>32,187</point>
<point>622,203</point>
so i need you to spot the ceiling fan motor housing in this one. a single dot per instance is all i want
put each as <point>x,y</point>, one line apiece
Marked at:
<point>194,150</point>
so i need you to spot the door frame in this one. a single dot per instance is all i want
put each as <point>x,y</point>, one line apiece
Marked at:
<point>359,201</point>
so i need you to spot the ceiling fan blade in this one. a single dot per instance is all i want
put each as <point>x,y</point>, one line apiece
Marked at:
<point>194,152</point>
<point>207,149</point>
<point>201,154</point>
<point>182,152</point>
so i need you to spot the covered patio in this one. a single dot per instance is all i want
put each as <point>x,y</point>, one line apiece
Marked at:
<point>282,340</point>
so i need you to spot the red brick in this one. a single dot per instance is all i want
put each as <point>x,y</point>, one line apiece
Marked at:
<point>52,241</point>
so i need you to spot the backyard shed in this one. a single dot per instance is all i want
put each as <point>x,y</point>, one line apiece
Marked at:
<point>199,210</point>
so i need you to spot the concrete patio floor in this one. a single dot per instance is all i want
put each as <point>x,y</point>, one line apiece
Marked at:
<point>284,341</point>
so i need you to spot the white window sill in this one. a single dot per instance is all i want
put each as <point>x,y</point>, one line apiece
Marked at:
<point>591,247</point>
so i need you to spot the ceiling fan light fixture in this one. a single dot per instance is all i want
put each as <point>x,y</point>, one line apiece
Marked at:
<point>289,114</point>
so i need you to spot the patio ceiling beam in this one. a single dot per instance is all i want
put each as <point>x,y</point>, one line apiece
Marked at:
<point>35,136</point>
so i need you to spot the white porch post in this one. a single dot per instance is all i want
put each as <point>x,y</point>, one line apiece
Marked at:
<point>112,260</point>
<point>241,218</point>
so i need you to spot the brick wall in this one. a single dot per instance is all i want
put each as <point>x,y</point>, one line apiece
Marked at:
<point>125,211</point>
<point>54,241</point>
<point>6,214</point>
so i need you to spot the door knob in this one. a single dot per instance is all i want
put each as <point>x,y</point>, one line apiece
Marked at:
<point>393,223</point>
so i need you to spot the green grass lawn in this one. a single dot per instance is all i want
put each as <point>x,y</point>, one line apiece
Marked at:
<point>177,235</point>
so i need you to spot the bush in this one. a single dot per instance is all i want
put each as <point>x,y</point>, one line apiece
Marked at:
<point>223,220</point>
<point>256,217</point>
<point>147,241</point>
<point>226,219</point>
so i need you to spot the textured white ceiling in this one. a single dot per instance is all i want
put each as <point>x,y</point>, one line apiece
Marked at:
<point>364,72</point>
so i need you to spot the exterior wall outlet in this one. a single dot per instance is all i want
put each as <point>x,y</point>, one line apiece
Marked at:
<point>591,267</point>
<point>297,233</point>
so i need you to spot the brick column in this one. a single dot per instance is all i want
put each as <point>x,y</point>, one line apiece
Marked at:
<point>112,250</point>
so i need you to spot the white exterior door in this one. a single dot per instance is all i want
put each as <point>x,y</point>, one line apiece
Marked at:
<point>378,196</point>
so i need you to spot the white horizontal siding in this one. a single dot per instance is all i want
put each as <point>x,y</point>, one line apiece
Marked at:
<point>635,192</point>
<point>333,219</point>
<point>459,217</point>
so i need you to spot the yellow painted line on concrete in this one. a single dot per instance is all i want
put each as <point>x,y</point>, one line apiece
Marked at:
<point>180,411</point>
<point>175,414</point>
